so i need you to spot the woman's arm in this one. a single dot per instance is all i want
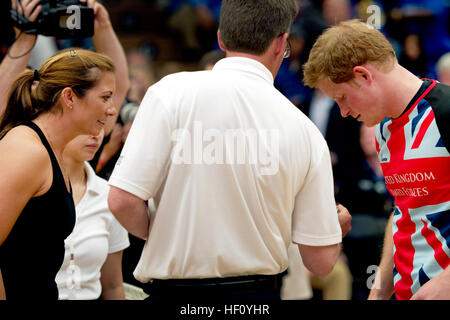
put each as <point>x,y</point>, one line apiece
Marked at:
<point>111,277</point>
<point>106,42</point>
<point>25,172</point>
<point>10,68</point>
<point>2,288</point>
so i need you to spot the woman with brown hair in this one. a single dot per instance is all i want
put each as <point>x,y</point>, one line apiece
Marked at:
<point>71,94</point>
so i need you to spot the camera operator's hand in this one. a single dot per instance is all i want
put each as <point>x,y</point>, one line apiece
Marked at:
<point>107,42</point>
<point>28,8</point>
<point>19,52</point>
<point>111,148</point>
<point>100,13</point>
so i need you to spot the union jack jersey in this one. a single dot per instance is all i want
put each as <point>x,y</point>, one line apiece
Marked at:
<point>416,167</point>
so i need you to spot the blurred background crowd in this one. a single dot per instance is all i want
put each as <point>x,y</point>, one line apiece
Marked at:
<point>166,36</point>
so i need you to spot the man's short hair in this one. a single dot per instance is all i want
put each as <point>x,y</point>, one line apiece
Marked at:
<point>342,47</point>
<point>249,26</point>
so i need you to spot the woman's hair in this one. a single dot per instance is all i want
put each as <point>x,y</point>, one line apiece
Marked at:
<point>37,92</point>
<point>342,47</point>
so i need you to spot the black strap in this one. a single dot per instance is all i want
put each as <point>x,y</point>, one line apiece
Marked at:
<point>41,135</point>
<point>55,164</point>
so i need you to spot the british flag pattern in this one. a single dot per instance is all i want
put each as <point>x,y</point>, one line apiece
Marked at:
<point>416,167</point>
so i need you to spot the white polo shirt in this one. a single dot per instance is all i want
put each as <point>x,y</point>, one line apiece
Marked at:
<point>237,173</point>
<point>95,235</point>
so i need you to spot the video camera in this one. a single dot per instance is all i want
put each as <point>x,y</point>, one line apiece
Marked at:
<point>63,19</point>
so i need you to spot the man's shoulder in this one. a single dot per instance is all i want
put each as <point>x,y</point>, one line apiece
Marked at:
<point>185,77</point>
<point>439,99</point>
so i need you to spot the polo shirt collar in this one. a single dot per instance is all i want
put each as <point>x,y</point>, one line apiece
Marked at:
<point>243,64</point>
<point>92,184</point>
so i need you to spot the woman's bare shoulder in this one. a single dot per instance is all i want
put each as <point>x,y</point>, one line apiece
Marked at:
<point>24,155</point>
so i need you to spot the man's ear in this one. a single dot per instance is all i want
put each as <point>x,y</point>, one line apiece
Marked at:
<point>219,39</point>
<point>280,44</point>
<point>362,75</point>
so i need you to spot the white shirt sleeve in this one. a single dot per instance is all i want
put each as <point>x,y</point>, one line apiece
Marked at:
<point>143,163</point>
<point>314,220</point>
<point>118,237</point>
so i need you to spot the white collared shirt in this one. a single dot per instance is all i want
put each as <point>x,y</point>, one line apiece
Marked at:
<point>236,170</point>
<point>95,235</point>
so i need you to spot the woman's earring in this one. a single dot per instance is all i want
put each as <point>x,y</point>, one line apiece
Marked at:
<point>70,107</point>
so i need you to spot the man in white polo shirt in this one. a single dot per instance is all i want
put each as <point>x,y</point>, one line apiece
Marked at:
<point>236,171</point>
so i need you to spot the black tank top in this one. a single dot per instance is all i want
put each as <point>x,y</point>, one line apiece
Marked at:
<point>33,252</point>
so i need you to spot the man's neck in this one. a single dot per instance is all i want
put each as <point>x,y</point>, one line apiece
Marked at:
<point>263,59</point>
<point>401,89</point>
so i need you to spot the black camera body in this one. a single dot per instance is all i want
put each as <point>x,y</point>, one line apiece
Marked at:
<point>63,19</point>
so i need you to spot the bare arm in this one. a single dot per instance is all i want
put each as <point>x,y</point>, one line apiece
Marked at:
<point>111,277</point>
<point>112,147</point>
<point>2,288</point>
<point>383,287</point>
<point>20,178</point>
<point>320,260</point>
<point>437,288</point>
<point>130,210</point>
<point>11,68</point>
<point>106,42</point>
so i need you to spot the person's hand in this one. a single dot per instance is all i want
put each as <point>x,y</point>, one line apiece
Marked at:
<point>30,9</point>
<point>437,288</point>
<point>126,130</point>
<point>344,218</point>
<point>111,148</point>
<point>101,16</point>
<point>116,137</point>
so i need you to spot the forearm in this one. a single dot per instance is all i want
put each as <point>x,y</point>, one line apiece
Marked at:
<point>383,286</point>
<point>11,68</point>
<point>2,288</point>
<point>109,150</point>
<point>106,42</point>
<point>111,277</point>
<point>114,293</point>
